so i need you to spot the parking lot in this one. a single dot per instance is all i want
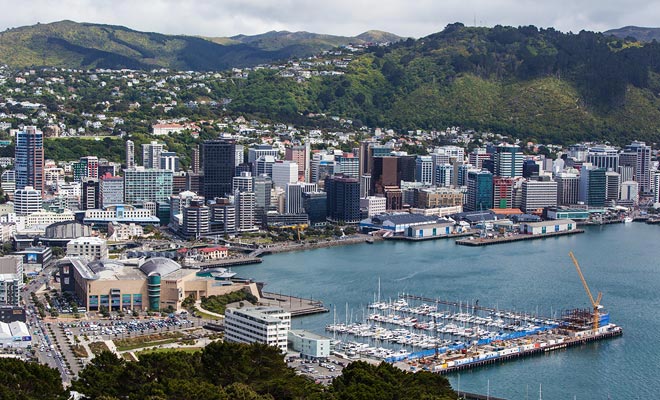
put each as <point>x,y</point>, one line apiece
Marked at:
<point>322,371</point>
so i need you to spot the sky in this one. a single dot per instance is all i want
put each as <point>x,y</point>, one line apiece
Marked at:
<point>411,18</point>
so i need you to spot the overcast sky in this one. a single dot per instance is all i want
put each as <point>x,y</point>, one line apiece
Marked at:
<point>415,18</point>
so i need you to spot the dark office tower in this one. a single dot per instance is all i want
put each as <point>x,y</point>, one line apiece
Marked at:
<point>196,160</point>
<point>488,165</point>
<point>343,194</point>
<point>530,169</point>
<point>219,159</point>
<point>90,194</point>
<point>384,172</point>
<point>29,159</point>
<point>407,165</point>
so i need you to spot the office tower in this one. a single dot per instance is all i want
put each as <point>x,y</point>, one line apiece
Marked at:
<point>219,160</point>
<point>538,195</point>
<point>300,156</point>
<point>480,190</point>
<point>315,205</point>
<point>243,183</point>
<point>11,282</point>
<point>606,157</point>
<point>8,182</point>
<point>530,169</point>
<point>151,154</point>
<point>240,154</point>
<point>259,150</point>
<point>108,168</point>
<point>508,161</point>
<point>343,199</point>
<point>365,185</point>
<point>263,166</point>
<point>638,155</point>
<point>593,188</point>
<point>29,159</point>
<point>245,211</point>
<point>284,172</point>
<point>180,201</point>
<point>168,160</point>
<point>196,219</point>
<point>627,173</point>
<point>629,193</point>
<point>27,201</point>
<point>477,156</point>
<point>461,179</point>
<point>384,172</point>
<point>488,165</point>
<point>349,166</point>
<point>444,175</point>
<point>656,187</point>
<point>567,188</point>
<point>223,216</point>
<point>111,190</point>
<point>130,154</point>
<point>262,186</point>
<point>503,192</point>
<point>89,200</point>
<point>424,170</point>
<point>613,186</point>
<point>406,167</point>
<point>86,167</point>
<point>294,192</point>
<point>363,156</point>
<point>147,185</point>
<point>195,161</point>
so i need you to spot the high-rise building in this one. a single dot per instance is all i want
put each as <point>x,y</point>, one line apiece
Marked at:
<point>284,172</point>
<point>508,161</point>
<point>243,183</point>
<point>147,185</point>
<point>245,211</point>
<point>343,195</point>
<point>480,190</point>
<point>29,159</point>
<point>169,161</point>
<point>461,179</point>
<point>27,201</point>
<point>130,154</point>
<point>223,216</point>
<point>219,159</point>
<point>567,188</point>
<point>538,194</point>
<point>151,154</point>
<point>196,160</point>
<point>444,175</point>
<point>593,189</point>
<point>180,201</point>
<point>240,155</point>
<point>503,192</point>
<point>477,156</point>
<point>530,169</point>
<point>384,172</point>
<point>269,325</point>
<point>656,187</point>
<point>259,150</point>
<point>606,157</point>
<point>11,280</point>
<point>642,163</point>
<point>86,167</point>
<point>365,185</point>
<point>626,172</point>
<point>613,186</point>
<point>90,196</point>
<point>111,190</point>
<point>300,156</point>
<point>263,166</point>
<point>424,170</point>
<point>349,166</point>
<point>629,193</point>
<point>315,205</point>
<point>294,192</point>
<point>196,219</point>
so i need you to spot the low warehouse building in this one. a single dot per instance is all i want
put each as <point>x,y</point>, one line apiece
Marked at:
<point>544,227</point>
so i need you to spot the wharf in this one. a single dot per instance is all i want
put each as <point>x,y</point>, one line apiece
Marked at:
<point>514,238</point>
<point>571,342</point>
<point>297,306</point>
<point>226,263</point>
<point>420,239</point>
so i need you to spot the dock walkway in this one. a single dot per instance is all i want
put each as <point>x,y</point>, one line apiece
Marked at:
<point>297,306</point>
<point>514,238</point>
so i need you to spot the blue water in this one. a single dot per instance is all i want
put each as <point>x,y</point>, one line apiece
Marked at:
<point>619,260</point>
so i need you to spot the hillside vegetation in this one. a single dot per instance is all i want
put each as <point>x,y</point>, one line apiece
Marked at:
<point>84,45</point>
<point>526,82</point>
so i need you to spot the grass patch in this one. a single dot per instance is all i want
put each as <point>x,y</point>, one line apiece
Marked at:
<point>80,351</point>
<point>98,347</point>
<point>206,315</point>
<point>218,304</point>
<point>128,357</point>
<point>175,349</point>
<point>147,340</point>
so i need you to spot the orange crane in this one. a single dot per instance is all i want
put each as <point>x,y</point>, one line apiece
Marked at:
<point>595,303</point>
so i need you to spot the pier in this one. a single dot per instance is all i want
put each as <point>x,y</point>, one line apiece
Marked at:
<point>297,306</point>
<point>420,239</point>
<point>513,238</point>
<point>227,263</point>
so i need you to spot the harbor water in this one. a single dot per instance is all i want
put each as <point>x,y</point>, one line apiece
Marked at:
<point>535,277</point>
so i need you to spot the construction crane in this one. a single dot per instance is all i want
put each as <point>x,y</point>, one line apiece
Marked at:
<point>595,303</point>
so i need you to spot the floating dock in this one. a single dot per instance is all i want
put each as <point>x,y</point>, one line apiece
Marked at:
<point>513,238</point>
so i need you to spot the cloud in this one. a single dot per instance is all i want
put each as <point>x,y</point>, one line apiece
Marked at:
<point>341,17</point>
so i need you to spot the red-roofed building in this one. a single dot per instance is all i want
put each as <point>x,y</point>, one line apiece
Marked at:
<point>213,253</point>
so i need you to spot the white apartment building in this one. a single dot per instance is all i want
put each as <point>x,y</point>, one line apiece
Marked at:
<point>269,325</point>
<point>374,205</point>
<point>11,280</point>
<point>92,248</point>
<point>27,201</point>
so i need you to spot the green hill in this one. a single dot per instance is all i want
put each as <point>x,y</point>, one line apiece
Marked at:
<point>526,82</point>
<point>640,33</point>
<point>83,45</point>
